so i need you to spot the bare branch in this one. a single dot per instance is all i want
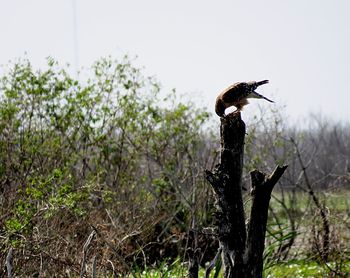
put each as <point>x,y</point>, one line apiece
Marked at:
<point>9,262</point>
<point>85,253</point>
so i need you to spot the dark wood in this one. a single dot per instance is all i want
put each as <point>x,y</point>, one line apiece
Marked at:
<point>226,181</point>
<point>193,269</point>
<point>193,253</point>
<point>241,256</point>
<point>262,187</point>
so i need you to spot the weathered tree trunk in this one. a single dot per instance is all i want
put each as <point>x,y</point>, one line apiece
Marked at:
<point>241,256</point>
<point>226,181</point>
<point>262,186</point>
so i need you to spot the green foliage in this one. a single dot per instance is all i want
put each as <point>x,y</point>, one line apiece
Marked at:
<point>304,268</point>
<point>110,153</point>
<point>276,236</point>
<point>77,149</point>
<point>166,270</point>
<point>292,268</point>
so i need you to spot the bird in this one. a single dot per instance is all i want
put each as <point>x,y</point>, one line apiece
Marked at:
<point>237,95</point>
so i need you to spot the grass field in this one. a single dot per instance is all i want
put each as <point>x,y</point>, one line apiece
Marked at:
<point>292,269</point>
<point>306,219</point>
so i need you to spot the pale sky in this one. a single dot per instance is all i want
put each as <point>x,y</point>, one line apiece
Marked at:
<point>199,47</point>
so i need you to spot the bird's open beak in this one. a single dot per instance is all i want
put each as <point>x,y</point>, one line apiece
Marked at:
<point>265,97</point>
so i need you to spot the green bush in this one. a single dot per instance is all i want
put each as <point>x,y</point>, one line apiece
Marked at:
<point>108,152</point>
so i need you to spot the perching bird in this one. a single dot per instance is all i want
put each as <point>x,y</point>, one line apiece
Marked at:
<point>237,95</point>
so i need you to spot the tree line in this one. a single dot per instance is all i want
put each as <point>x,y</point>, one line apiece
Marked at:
<point>114,165</point>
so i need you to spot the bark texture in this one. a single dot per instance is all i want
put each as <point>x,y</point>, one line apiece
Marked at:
<point>241,255</point>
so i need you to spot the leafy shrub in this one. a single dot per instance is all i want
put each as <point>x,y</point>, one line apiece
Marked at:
<point>108,154</point>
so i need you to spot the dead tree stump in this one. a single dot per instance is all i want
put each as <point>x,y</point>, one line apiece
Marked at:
<point>241,248</point>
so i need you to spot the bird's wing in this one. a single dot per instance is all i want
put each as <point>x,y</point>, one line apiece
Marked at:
<point>235,92</point>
